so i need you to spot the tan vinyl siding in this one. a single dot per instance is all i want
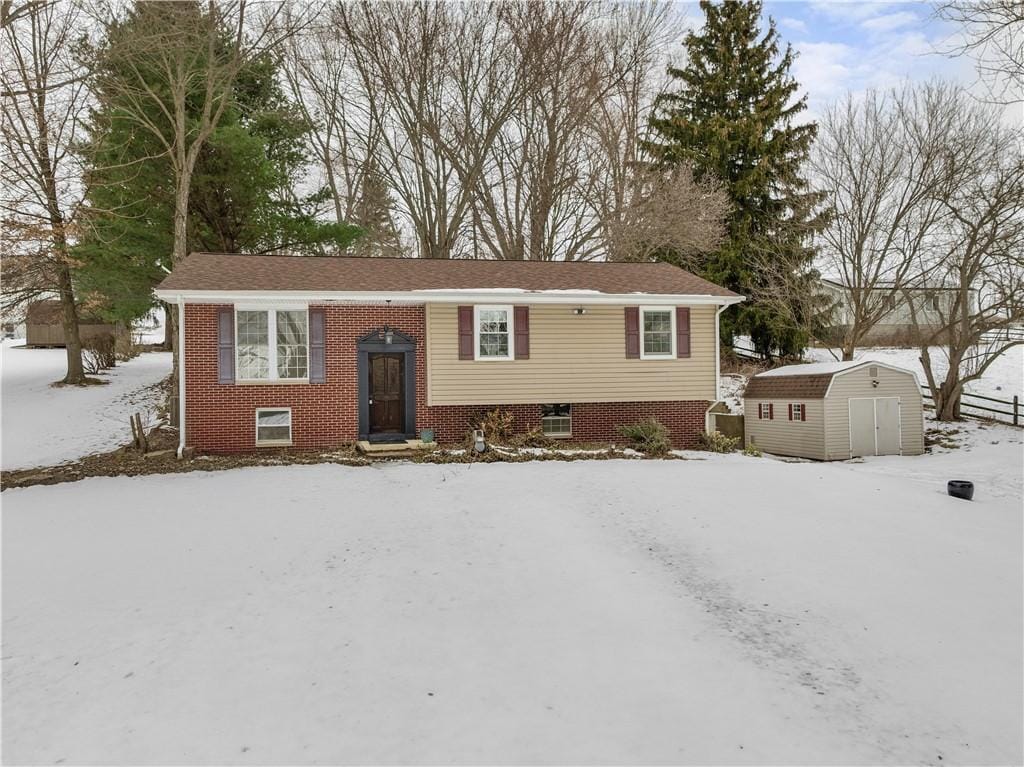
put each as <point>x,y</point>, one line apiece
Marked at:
<point>857,383</point>
<point>781,436</point>
<point>572,359</point>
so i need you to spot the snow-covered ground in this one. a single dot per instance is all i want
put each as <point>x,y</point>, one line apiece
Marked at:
<point>729,610</point>
<point>43,425</point>
<point>1002,380</point>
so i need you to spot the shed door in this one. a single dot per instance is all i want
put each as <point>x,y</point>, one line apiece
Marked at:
<point>887,425</point>
<point>862,427</point>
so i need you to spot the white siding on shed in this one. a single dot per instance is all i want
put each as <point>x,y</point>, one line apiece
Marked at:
<point>857,383</point>
<point>781,436</point>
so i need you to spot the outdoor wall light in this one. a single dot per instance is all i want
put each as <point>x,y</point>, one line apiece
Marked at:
<point>579,310</point>
<point>389,335</point>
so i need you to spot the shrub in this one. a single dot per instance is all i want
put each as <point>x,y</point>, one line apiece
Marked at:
<point>752,450</point>
<point>495,424</point>
<point>535,437</point>
<point>717,442</point>
<point>98,354</point>
<point>649,437</point>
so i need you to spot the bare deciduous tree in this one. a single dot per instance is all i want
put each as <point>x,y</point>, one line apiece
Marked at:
<point>437,83</point>
<point>994,31</point>
<point>881,157</point>
<point>976,249</point>
<point>668,213</point>
<point>43,101</point>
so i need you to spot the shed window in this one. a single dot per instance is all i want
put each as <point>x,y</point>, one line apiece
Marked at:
<point>659,333</point>
<point>556,420</point>
<point>273,426</point>
<point>764,411</point>
<point>797,412</point>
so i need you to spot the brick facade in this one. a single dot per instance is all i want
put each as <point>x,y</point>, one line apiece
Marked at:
<point>220,418</point>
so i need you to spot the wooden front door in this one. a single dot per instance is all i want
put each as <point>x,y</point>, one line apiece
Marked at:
<point>387,393</point>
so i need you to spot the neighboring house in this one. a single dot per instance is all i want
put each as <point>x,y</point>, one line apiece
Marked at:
<point>896,326</point>
<point>315,352</point>
<point>835,410</point>
<point>44,325</point>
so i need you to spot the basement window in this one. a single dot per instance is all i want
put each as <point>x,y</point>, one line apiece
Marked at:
<point>556,420</point>
<point>273,426</point>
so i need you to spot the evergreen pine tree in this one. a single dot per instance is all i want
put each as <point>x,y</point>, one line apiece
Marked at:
<point>241,198</point>
<point>733,116</point>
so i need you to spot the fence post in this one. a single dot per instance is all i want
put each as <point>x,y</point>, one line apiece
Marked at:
<point>1016,412</point>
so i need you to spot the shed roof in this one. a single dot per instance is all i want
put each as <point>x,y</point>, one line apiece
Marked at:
<point>810,381</point>
<point>238,272</point>
<point>48,311</point>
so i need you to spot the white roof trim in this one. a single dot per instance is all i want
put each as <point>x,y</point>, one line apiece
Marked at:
<point>482,296</point>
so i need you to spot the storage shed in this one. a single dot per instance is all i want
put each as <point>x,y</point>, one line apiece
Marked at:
<point>44,325</point>
<point>835,410</point>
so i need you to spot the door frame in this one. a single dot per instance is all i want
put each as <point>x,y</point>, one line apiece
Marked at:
<point>374,343</point>
<point>874,412</point>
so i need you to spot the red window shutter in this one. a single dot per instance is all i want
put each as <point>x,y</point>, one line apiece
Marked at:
<point>803,412</point>
<point>226,345</point>
<point>317,357</point>
<point>682,331</point>
<point>633,332</point>
<point>521,321</point>
<point>465,332</point>
<point>771,411</point>
<point>790,411</point>
<point>759,412</point>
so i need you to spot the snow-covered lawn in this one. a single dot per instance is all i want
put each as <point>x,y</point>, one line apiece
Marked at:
<point>43,425</point>
<point>728,610</point>
<point>1002,380</point>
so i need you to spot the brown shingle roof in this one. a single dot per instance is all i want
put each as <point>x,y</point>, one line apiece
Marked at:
<point>230,272</point>
<point>786,387</point>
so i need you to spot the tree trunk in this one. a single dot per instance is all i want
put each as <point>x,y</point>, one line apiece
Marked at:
<point>170,328</point>
<point>69,321</point>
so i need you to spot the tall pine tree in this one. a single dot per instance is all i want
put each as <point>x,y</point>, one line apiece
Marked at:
<point>242,194</point>
<point>733,115</point>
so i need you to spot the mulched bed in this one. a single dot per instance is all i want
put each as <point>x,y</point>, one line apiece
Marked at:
<point>128,461</point>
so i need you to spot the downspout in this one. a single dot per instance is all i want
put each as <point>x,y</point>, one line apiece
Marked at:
<point>181,376</point>
<point>718,367</point>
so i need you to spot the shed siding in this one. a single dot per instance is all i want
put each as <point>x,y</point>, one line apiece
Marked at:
<point>857,383</point>
<point>781,436</point>
<point>573,358</point>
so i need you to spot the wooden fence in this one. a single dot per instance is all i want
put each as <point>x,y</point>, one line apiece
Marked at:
<point>1009,412</point>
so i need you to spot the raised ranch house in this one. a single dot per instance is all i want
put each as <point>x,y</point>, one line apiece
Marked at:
<point>316,352</point>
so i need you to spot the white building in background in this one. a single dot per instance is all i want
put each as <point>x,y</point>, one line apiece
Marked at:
<point>932,304</point>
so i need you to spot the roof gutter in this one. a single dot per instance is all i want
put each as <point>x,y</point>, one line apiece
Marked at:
<point>501,296</point>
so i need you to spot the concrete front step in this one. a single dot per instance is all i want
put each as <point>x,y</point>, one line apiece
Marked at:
<point>404,449</point>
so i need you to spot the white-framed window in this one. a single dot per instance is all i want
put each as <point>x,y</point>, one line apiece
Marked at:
<point>657,332</point>
<point>764,411</point>
<point>796,411</point>
<point>273,426</point>
<point>493,333</point>
<point>272,344</point>
<point>556,420</point>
